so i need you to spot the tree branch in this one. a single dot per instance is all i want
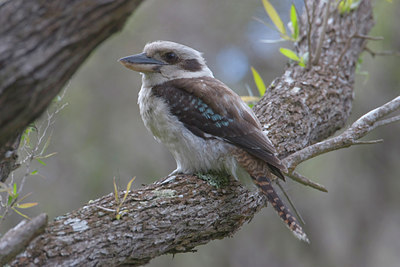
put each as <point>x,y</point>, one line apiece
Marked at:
<point>42,43</point>
<point>19,237</point>
<point>175,215</point>
<point>349,137</point>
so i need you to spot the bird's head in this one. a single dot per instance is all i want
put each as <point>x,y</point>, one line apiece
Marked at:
<point>163,61</point>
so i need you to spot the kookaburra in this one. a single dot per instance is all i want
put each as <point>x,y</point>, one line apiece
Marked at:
<point>205,125</point>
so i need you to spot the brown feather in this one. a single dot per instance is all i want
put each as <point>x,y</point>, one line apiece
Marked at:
<point>240,125</point>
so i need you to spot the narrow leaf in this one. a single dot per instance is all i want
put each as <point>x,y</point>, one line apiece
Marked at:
<point>295,24</point>
<point>266,41</point>
<point>259,82</point>
<point>15,189</point>
<point>128,189</point>
<point>248,99</point>
<point>41,161</point>
<point>116,192</point>
<point>289,53</point>
<point>47,156</point>
<point>27,195</point>
<point>20,213</point>
<point>273,15</point>
<point>27,205</point>
<point>46,145</point>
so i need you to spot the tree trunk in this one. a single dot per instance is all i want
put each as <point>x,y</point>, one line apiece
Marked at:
<point>303,106</point>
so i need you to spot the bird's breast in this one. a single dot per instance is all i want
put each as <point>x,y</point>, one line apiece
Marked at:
<point>192,153</point>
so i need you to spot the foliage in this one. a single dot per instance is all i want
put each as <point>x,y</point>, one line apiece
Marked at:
<point>259,82</point>
<point>294,29</point>
<point>120,202</point>
<point>346,6</point>
<point>33,147</point>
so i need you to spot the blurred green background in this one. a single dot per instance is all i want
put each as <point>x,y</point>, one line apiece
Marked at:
<point>100,135</point>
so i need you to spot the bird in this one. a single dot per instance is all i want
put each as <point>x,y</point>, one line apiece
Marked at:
<point>204,124</point>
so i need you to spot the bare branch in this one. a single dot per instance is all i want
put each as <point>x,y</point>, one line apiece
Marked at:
<point>305,181</point>
<point>388,121</point>
<point>345,48</point>
<point>17,238</point>
<point>356,35</point>
<point>322,33</point>
<point>358,129</point>
<point>382,53</point>
<point>309,23</point>
<point>372,142</point>
<point>368,37</point>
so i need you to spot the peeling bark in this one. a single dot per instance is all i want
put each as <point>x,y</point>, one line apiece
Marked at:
<point>170,216</point>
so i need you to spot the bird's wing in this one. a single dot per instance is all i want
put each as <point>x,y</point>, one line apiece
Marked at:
<point>209,109</point>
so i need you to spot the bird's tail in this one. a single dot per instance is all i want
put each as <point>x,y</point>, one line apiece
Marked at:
<point>264,183</point>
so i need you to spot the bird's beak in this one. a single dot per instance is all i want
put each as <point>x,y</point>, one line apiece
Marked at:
<point>142,63</point>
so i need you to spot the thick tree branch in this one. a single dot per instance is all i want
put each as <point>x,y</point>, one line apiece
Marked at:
<point>19,237</point>
<point>300,108</point>
<point>42,43</point>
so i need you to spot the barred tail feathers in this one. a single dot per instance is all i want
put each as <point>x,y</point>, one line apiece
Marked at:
<point>291,222</point>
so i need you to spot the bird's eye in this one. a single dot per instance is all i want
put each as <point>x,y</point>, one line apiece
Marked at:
<point>170,57</point>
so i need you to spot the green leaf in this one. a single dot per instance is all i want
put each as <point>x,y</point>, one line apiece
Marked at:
<point>116,192</point>
<point>290,54</point>
<point>15,189</point>
<point>9,201</point>
<point>295,24</point>
<point>27,205</point>
<point>41,162</point>
<point>273,15</point>
<point>259,82</point>
<point>20,213</point>
<point>34,172</point>
<point>128,188</point>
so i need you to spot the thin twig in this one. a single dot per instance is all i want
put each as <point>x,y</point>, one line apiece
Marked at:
<point>382,53</point>
<point>388,121</point>
<point>371,142</point>
<point>345,48</point>
<point>322,34</point>
<point>105,209</point>
<point>369,37</point>
<point>348,42</point>
<point>310,57</point>
<point>298,215</point>
<point>305,181</point>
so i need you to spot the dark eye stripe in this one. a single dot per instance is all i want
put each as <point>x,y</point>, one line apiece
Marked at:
<point>191,65</point>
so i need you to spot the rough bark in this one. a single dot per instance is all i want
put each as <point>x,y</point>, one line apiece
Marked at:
<point>42,43</point>
<point>302,107</point>
<point>15,240</point>
<point>305,106</point>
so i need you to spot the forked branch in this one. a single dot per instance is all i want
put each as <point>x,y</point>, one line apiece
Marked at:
<point>349,137</point>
